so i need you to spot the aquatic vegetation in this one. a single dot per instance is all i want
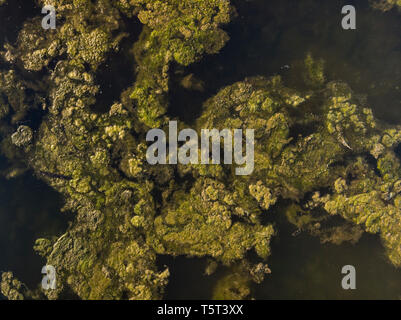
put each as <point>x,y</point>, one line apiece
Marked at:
<point>95,160</point>
<point>177,31</point>
<point>234,286</point>
<point>236,283</point>
<point>386,5</point>
<point>22,137</point>
<point>201,223</point>
<point>12,287</point>
<point>338,132</point>
<point>318,149</point>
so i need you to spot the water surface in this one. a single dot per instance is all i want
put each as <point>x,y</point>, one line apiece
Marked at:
<point>265,37</point>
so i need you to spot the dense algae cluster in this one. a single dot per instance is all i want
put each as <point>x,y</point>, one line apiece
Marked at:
<point>318,149</point>
<point>386,5</point>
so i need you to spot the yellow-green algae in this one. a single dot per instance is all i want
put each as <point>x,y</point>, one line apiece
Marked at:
<point>386,5</point>
<point>320,138</point>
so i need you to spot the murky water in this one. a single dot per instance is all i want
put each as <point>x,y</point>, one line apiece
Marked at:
<point>302,268</point>
<point>13,15</point>
<point>29,209</point>
<point>267,35</point>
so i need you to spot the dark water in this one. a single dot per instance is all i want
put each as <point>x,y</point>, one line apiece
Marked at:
<point>29,209</point>
<point>302,268</point>
<point>188,280</point>
<point>268,35</point>
<point>265,36</point>
<point>117,73</point>
<point>13,15</point>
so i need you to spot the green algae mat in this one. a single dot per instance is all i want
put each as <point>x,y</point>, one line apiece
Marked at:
<point>108,187</point>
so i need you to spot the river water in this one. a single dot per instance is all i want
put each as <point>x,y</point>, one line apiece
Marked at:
<point>265,36</point>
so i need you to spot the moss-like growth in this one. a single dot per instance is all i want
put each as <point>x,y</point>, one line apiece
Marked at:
<point>13,289</point>
<point>177,31</point>
<point>201,223</point>
<point>316,141</point>
<point>385,5</point>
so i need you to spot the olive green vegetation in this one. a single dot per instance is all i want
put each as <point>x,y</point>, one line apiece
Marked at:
<point>12,288</point>
<point>313,141</point>
<point>321,141</point>
<point>97,161</point>
<point>175,31</point>
<point>386,5</point>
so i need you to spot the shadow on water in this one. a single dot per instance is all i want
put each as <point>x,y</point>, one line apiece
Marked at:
<point>29,209</point>
<point>268,35</point>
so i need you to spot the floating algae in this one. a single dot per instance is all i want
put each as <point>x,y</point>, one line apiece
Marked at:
<point>320,152</point>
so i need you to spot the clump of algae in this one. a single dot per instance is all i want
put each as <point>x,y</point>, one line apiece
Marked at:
<point>128,212</point>
<point>98,161</point>
<point>386,5</point>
